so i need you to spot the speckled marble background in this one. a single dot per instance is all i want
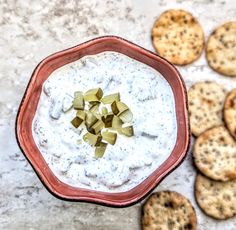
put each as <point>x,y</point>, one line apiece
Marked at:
<point>31,30</point>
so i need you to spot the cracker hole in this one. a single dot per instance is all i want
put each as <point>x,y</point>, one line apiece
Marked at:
<point>188,226</point>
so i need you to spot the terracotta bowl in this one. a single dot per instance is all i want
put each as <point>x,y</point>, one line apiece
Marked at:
<point>30,100</point>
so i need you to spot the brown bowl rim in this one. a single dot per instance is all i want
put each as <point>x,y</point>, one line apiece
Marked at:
<point>129,197</point>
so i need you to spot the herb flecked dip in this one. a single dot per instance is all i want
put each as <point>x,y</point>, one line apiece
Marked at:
<point>131,160</point>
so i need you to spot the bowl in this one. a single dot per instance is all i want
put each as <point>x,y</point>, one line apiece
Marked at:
<point>30,100</point>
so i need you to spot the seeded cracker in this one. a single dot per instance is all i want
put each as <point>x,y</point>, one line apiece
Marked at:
<point>221,49</point>
<point>216,199</point>
<point>215,154</point>
<point>206,100</point>
<point>178,37</point>
<point>168,210</point>
<point>230,112</point>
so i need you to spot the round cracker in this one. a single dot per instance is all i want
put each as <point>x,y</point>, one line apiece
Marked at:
<point>214,154</point>
<point>216,199</point>
<point>206,100</point>
<point>178,37</point>
<point>221,49</point>
<point>168,210</point>
<point>230,112</point>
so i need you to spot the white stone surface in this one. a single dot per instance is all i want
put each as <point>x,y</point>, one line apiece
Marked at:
<point>31,30</point>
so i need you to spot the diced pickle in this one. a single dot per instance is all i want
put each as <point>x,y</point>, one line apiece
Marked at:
<point>109,137</point>
<point>96,118</point>
<point>76,122</point>
<point>90,119</point>
<point>104,111</point>
<point>93,103</point>
<point>116,124</point>
<point>81,114</point>
<point>108,99</point>
<point>92,139</point>
<point>93,95</point>
<point>78,102</point>
<point>128,131</point>
<point>94,108</point>
<point>118,107</point>
<point>100,150</point>
<point>126,116</point>
<point>97,127</point>
<point>107,119</point>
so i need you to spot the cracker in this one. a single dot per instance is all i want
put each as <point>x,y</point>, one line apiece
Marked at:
<point>230,112</point>
<point>216,199</point>
<point>221,49</point>
<point>206,100</point>
<point>178,37</point>
<point>215,154</point>
<point>168,210</point>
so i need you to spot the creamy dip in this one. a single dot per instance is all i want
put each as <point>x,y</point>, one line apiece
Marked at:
<point>132,159</point>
